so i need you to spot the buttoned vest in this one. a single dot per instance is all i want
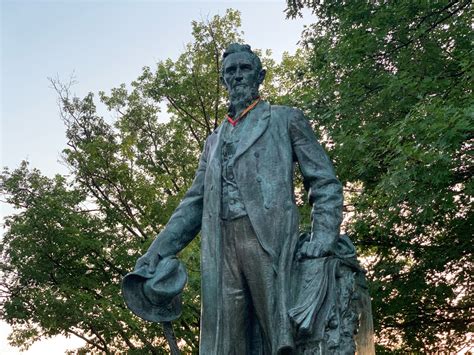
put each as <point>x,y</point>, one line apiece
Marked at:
<point>232,203</point>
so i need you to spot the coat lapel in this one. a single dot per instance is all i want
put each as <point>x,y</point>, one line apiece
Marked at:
<point>259,118</point>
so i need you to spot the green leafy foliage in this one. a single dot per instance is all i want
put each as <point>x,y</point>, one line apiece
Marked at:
<point>390,86</point>
<point>62,265</point>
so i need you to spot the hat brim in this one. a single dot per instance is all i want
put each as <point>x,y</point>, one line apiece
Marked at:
<point>139,304</point>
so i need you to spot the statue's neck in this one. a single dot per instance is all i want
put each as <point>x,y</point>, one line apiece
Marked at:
<point>238,106</point>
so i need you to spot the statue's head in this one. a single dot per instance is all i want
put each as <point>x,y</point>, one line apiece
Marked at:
<point>241,72</point>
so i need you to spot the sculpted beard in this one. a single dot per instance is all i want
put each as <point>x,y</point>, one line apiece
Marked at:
<point>241,97</point>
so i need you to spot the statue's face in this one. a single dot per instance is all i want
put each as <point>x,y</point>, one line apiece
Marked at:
<point>240,74</point>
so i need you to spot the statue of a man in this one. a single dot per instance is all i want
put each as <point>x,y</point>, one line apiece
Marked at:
<point>242,200</point>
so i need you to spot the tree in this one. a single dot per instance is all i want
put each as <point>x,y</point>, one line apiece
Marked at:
<point>389,85</point>
<point>72,240</point>
<point>62,264</point>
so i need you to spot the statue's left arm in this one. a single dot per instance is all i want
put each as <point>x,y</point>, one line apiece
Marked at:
<point>324,189</point>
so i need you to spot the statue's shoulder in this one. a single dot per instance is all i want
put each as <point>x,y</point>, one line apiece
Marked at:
<point>212,138</point>
<point>286,112</point>
<point>213,134</point>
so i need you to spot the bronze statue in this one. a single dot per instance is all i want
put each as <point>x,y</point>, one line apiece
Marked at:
<point>264,287</point>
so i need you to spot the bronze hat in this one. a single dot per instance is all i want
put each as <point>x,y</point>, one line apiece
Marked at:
<point>156,296</point>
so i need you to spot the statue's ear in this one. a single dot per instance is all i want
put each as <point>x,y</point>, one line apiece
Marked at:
<point>223,81</point>
<point>261,76</point>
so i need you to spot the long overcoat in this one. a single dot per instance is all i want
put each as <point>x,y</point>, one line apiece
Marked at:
<point>264,164</point>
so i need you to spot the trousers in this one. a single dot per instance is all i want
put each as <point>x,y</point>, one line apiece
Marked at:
<point>248,284</point>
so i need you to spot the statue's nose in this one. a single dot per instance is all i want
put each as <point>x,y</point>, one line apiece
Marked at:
<point>238,75</point>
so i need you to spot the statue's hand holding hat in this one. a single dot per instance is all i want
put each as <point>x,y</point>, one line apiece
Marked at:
<point>154,293</point>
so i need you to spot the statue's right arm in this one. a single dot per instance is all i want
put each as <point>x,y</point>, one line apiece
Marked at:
<point>184,224</point>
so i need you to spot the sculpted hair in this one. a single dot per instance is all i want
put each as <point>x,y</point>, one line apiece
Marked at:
<point>239,48</point>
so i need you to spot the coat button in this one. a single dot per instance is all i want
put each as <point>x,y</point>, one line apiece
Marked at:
<point>212,187</point>
<point>259,179</point>
<point>267,206</point>
<point>256,154</point>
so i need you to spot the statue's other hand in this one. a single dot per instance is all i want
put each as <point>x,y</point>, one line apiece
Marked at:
<point>149,260</point>
<point>314,249</point>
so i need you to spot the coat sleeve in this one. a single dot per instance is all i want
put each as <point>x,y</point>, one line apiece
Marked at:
<point>324,189</point>
<point>185,222</point>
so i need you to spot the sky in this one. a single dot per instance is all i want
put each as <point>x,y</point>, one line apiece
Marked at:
<point>103,44</point>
